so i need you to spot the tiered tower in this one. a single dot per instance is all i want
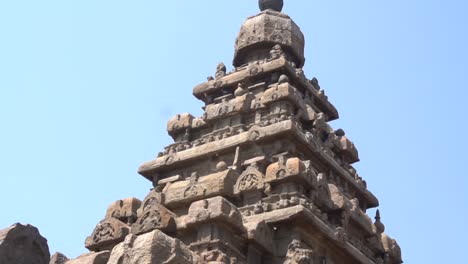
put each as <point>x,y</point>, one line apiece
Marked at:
<point>261,177</point>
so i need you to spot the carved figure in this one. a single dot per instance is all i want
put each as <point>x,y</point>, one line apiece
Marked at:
<point>298,255</point>
<point>220,70</point>
<point>276,52</point>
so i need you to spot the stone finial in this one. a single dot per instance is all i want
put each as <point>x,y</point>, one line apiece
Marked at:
<point>240,90</point>
<point>276,5</point>
<point>379,226</point>
<point>283,79</point>
<point>220,70</point>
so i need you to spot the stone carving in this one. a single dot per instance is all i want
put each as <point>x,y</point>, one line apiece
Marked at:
<point>179,124</point>
<point>297,254</point>
<point>220,70</point>
<point>260,177</point>
<point>153,215</point>
<point>213,210</point>
<point>276,52</point>
<point>255,70</point>
<point>341,235</point>
<point>152,248</point>
<point>228,107</point>
<point>266,28</point>
<point>196,188</point>
<point>292,170</point>
<point>124,210</point>
<point>107,234</point>
<point>251,179</point>
<point>261,233</point>
<point>21,244</point>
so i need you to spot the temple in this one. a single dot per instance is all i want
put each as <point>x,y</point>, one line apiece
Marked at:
<point>260,178</point>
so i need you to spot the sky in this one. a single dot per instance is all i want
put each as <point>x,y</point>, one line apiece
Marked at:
<point>86,89</point>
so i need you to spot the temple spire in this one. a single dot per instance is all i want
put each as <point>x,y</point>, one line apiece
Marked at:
<point>276,5</point>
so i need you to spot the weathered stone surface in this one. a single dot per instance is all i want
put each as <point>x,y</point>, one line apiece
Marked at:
<point>153,215</point>
<point>261,32</point>
<point>91,258</point>
<point>347,148</point>
<point>291,170</point>
<point>260,177</point>
<point>392,250</point>
<point>261,233</point>
<point>185,192</point>
<point>213,210</point>
<point>20,244</point>
<point>179,123</point>
<point>251,179</point>
<point>152,248</point>
<point>297,254</point>
<point>107,234</point>
<point>228,107</point>
<point>124,210</point>
<point>285,92</point>
<point>58,258</point>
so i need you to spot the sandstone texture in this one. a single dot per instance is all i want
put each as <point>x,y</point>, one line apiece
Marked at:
<point>22,244</point>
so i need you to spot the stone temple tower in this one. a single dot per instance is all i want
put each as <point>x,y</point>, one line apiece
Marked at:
<point>260,178</point>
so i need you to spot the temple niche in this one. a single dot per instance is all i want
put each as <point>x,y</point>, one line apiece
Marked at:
<point>260,177</point>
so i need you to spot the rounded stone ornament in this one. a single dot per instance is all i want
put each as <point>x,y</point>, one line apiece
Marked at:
<point>276,5</point>
<point>221,166</point>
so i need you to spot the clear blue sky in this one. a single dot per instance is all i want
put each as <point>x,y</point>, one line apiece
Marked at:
<point>86,88</point>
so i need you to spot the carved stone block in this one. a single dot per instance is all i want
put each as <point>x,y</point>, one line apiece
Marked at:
<point>125,210</point>
<point>250,180</point>
<point>185,192</point>
<point>347,149</point>
<point>280,93</point>
<point>392,249</point>
<point>179,123</point>
<point>198,123</point>
<point>298,254</point>
<point>228,107</point>
<point>152,248</point>
<point>91,258</point>
<point>153,215</point>
<point>261,234</point>
<point>213,210</point>
<point>107,234</point>
<point>291,170</point>
<point>21,244</point>
<point>287,93</point>
<point>338,198</point>
<point>269,28</point>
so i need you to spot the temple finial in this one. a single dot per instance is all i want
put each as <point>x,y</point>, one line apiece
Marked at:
<point>276,5</point>
<point>379,226</point>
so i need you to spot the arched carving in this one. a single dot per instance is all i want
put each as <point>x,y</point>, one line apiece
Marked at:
<point>251,179</point>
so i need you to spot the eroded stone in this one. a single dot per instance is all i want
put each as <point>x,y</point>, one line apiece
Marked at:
<point>23,244</point>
